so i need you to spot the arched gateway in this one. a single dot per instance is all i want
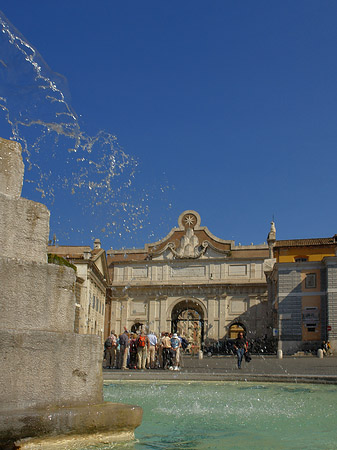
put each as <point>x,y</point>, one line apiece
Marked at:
<point>235,329</point>
<point>187,319</point>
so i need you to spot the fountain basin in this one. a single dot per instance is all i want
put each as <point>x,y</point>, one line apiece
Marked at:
<point>229,415</point>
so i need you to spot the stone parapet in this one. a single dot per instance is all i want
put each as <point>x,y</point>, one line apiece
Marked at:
<point>24,229</point>
<point>40,369</point>
<point>36,296</point>
<point>11,168</point>
<point>75,427</point>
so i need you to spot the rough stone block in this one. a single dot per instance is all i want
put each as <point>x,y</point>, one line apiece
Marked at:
<point>24,229</point>
<point>36,296</point>
<point>11,168</point>
<point>92,425</point>
<point>44,369</point>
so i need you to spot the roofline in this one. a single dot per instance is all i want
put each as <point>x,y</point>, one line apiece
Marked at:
<point>148,246</point>
<point>69,246</point>
<point>303,242</point>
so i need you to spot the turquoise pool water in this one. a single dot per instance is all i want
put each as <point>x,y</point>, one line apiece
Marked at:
<point>230,415</point>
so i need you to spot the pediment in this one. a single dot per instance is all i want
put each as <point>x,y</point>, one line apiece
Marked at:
<point>190,241</point>
<point>187,241</point>
<point>166,255</point>
<point>214,253</point>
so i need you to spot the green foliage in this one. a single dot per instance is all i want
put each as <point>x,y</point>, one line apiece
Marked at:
<point>60,261</point>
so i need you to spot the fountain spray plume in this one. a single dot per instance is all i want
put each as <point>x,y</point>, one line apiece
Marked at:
<point>86,181</point>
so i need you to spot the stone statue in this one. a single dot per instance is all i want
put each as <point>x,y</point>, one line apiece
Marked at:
<point>189,246</point>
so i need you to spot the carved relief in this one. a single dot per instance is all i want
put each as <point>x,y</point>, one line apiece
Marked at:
<point>189,246</point>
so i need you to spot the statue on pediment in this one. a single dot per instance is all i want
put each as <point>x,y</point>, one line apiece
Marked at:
<point>189,246</point>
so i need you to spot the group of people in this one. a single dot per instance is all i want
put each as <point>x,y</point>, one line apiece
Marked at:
<point>143,351</point>
<point>147,351</point>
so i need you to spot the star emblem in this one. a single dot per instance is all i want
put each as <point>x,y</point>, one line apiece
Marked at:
<point>189,220</point>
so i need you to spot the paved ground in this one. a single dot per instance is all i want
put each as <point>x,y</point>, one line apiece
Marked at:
<point>302,369</point>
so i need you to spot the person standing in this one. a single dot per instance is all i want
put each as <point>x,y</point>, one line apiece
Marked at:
<point>240,346</point>
<point>151,355</point>
<point>124,349</point>
<point>133,352</point>
<point>160,350</point>
<point>166,345</point>
<point>110,351</point>
<point>142,348</point>
<point>175,346</point>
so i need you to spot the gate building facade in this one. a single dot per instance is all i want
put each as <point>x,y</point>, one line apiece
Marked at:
<point>190,282</point>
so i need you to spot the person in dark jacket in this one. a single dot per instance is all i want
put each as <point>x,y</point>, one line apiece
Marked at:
<point>124,349</point>
<point>110,351</point>
<point>240,346</point>
<point>133,351</point>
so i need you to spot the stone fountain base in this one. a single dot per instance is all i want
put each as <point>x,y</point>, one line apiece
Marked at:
<point>51,386</point>
<point>58,428</point>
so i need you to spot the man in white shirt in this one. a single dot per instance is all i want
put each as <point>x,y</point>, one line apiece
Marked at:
<point>176,345</point>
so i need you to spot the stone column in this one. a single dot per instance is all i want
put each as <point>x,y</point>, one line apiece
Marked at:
<point>124,313</point>
<point>152,314</point>
<point>163,311</point>
<point>211,333</point>
<point>222,315</point>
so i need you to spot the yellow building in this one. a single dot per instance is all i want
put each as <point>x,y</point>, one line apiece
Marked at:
<point>303,289</point>
<point>302,250</point>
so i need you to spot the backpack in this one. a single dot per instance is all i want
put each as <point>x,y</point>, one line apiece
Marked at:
<point>141,341</point>
<point>184,343</point>
<point>108,343</point>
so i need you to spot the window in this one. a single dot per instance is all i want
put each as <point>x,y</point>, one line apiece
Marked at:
<point>310,281</point>
<point>299,259</point>
<point>311,318</point>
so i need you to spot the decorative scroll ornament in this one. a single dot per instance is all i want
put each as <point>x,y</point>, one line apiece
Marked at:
<point>189,246</point>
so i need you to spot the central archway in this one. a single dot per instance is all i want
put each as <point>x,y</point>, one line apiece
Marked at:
<point>187,320</point>
<point>235,329</point>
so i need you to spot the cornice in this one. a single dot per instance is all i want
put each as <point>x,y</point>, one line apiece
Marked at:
<point>162,293</point>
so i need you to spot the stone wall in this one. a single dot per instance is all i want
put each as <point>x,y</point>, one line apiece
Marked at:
<point>331,271</point>
<point>41,361</point>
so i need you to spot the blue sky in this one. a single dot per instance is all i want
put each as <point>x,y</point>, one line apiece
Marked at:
<point>229,108</point>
